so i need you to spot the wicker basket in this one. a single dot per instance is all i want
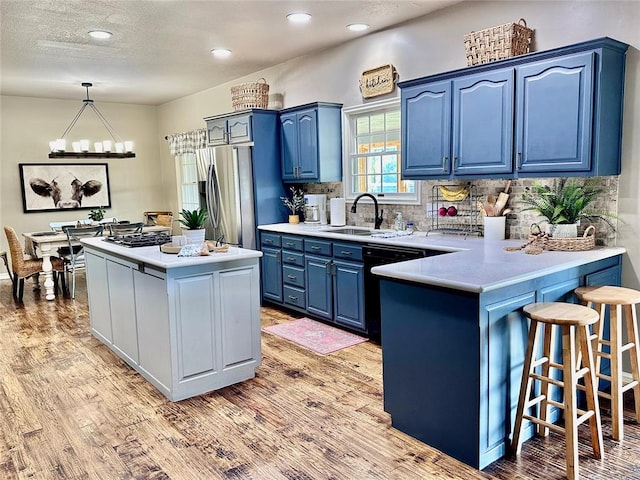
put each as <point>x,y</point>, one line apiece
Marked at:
<point>575,244</point>
<point>250,95</point>
<point>498,43</point>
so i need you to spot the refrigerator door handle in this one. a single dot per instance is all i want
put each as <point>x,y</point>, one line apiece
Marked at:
<point>212,196</point>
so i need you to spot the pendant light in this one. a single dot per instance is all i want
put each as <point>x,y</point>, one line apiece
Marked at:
<point>105,149</point>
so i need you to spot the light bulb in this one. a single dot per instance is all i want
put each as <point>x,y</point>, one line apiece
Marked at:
<point>84,145</point>
<point>128,146</point>
<point>106,144</point>
<point>97,147</point>
<point>77,147</point>
<point>119,147</point>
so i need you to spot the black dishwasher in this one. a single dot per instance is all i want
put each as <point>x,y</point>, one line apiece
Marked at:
<point>372,256</point>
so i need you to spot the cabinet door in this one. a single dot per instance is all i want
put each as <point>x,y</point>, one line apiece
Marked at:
<point>483,123</point>
<point>308,144</point>
<point>239,129</point>
<point>123,311</point>
<point>319,286</point>
<point>554,115</point>
<point>97,290</point>
<point>348,294</point>
<point>289,145</point>
<point>426,130</point>
<point>217,131</point>
<point>271,274</point>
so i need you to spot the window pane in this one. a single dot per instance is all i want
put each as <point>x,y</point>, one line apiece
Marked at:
<point>389,183</point>
<point>393,120</point>
<point>362,125</point>
<point>393,140</point>
<point>362,144</point>
<point>390,164</point>
<point>377,123</point>
<point>373,165</point>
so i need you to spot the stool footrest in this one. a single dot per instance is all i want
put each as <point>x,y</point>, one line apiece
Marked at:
<point>552,381</point>
<point>627,346</point>
<point>540,361</point>
<point>604,376</point>
<point>534,401</point>
<point>552,426</point>
<point>602,354</point>
<point>629,386</point>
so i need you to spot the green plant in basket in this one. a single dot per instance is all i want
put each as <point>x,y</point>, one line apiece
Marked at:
<point>567,201</point>
<point>193,219</point>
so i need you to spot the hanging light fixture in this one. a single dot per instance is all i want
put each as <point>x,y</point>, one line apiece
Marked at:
<point>123,149</point>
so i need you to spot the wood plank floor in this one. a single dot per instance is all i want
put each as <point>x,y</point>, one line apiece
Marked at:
<point>70,409</point>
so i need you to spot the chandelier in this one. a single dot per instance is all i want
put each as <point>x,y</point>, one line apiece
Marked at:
<point>114,148</point>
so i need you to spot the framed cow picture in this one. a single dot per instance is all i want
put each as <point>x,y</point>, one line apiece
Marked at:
<point>64,186</point>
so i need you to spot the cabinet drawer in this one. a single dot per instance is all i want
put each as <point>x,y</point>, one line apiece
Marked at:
<point>317,247</point>
<point>292,243</point>
<point>293,258</point>
<point>294,296</point>
<point>348,251</point>
<point>270,239</point>
<point>293,275</point>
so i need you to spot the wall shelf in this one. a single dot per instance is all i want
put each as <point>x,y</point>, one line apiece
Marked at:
<point>91,155</point>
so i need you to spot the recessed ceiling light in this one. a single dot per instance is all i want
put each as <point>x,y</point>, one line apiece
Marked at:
<point>299,17</point>
<point>100,34</point>
<point>357,27</point>
<point>221,52</point>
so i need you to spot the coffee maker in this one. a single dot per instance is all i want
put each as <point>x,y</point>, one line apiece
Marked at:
<point>315,209</point>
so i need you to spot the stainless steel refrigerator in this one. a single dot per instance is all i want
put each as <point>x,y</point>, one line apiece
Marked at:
<point>235,201</point>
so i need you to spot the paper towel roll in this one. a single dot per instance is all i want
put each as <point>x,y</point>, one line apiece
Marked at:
<point>337,212</point>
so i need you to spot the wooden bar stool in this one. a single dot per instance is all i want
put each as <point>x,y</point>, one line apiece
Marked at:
<point>624,301</point>
<point>574,321</point>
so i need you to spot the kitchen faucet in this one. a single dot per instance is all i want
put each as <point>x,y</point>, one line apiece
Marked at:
<point>377,220</point>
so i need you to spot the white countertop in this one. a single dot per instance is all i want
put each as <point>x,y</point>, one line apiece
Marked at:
<point>153,255</point>
<point>473,264</point>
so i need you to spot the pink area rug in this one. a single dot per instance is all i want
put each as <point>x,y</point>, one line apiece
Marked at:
<point>315,336</point>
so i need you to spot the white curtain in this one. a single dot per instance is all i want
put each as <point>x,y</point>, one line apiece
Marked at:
<point>187,142</point>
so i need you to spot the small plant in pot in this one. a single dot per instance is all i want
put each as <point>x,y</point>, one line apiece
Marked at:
<point>295,204</point>
<point>565,203</point>
<point>97,214</point>
<point>193,224</point>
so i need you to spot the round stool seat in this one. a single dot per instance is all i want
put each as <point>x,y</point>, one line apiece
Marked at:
<point>559,313</point>
<point>609,295</point>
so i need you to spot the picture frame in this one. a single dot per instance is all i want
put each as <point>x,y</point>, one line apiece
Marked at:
<point>48,187</point>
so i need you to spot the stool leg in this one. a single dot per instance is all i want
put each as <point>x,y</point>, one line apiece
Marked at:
<point>632,335</point>
<point>615,328</point>
<point>570,402</point>
<point>525,385</point>
<point>595,423</point>
<point>598,328</point>
<point>546,386</point>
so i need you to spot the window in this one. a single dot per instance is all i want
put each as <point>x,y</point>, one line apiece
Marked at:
<point>372,159</point>
<point>189,197</point>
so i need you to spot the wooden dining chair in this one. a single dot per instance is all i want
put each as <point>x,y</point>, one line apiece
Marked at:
<point>124,228</point>
<point>23,267</point>
<point>74,259</point>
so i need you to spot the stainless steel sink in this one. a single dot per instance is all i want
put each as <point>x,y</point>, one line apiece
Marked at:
<point>351,231</point>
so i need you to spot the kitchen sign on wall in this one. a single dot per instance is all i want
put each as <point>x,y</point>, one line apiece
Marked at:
<point>378,81</point>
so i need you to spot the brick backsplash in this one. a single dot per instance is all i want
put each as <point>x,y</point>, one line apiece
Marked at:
<point>518,222</point>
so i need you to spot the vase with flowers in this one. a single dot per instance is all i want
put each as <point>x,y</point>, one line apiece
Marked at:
<point>295,204</point>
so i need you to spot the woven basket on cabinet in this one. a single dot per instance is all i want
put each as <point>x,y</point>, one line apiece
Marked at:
<point>498,43</point>
<point>250,95</point>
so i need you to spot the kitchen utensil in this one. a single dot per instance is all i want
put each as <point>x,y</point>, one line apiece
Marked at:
<point>491,199</point>
<point>490,209</point>
<point>480,206</point>
<point>503,198</point>
<point>507,211</point>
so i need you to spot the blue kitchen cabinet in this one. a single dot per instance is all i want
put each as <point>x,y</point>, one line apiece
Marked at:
<point>566,105</point>
<point>348,294</point>
<point>483,124</point>
<point>311,143</point>
<point>554,106</point>
<point>320,291</point>
<point>270,244</point>
<point>228,129</point>
<point>461,127</point>
<point>426,130</point>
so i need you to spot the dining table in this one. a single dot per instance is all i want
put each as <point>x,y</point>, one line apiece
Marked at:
<point>45,243</point>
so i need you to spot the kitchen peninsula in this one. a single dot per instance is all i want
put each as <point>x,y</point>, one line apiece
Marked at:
<point>453,333</point>
<point>188,325</point>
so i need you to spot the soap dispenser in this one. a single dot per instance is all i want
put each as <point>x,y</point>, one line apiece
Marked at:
<point>399,223</point>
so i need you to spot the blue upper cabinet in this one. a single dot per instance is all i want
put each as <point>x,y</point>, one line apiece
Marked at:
<point>483,123</point>
<point>552,113</point>
<point>555,114</point>
<point>311,143</point>
<point>229,129</point>
<point>426,130</point>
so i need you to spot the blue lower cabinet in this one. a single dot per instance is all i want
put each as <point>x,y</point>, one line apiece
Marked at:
<point>294,296</point>
<point>348,294</point>
<point>319,286</point>
<point>271,274</point>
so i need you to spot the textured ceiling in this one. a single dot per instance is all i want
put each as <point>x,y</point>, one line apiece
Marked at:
<point>160,48</point>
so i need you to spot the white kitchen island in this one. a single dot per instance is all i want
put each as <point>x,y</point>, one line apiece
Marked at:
<point>189,325</point>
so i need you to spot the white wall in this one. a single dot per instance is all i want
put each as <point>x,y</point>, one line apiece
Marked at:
<point>434,44</point>
<point>28,124</point>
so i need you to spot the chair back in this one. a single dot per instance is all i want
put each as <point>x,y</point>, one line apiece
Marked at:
<point>74,234</point>
<point>164,220</point>
<point>15,248</point>
<point>122,228</point>
<point>59,226</point>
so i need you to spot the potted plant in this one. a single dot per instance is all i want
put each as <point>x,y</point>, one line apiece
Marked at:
<point>565,203</point>
<point>295,204</point>
<point>97,214</point>
<point>193,224</point>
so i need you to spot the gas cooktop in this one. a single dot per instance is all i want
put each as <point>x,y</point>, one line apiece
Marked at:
<point>139,239</point>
